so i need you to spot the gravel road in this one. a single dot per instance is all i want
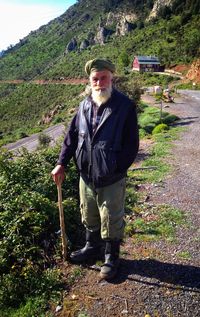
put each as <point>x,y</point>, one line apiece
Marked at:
<point>192,94</point>
<point>31,143</point>
<point>183,187</point>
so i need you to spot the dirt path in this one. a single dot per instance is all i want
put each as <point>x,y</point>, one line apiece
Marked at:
<point>156,283</point>
<point>62,80</point>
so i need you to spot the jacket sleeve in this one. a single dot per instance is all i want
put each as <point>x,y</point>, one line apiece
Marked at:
<point>70,143</point>
<point>130,141</point>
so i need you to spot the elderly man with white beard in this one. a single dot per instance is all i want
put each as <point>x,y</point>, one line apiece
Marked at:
<point>103,139</point>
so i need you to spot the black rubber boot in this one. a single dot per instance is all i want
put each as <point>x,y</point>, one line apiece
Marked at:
<point>91,250</point>
<point>111,264</point>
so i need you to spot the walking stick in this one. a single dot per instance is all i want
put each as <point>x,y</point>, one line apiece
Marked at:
<point>62,222</point>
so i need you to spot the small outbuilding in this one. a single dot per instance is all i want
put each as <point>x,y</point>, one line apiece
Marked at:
<point>147,64</point>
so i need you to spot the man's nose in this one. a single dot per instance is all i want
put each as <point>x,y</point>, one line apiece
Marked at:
<point>99,82</point>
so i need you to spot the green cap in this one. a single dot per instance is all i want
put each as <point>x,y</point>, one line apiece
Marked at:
<point>99,64</point>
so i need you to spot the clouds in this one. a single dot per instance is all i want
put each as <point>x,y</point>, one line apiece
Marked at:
<point>19,18</point>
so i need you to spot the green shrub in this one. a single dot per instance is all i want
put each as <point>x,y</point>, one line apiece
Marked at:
<point>123,59</point>
<point>147,120</point>
<point>188,85</point>
<point>44,140</point>
<point>160,128</point>
<point>150,117</point>
<point>29,225</point>
<point>129,87</point>
<point>142,133</point>
<point>58,120</point>
<point>21,134</point>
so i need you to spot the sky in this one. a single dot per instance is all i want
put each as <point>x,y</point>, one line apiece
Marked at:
<point>19,17</point>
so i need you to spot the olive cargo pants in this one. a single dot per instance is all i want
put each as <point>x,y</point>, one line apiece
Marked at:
<point>103,209</point>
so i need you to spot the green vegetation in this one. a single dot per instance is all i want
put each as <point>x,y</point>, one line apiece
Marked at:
<point>76,273</point>
<point>83,314</point>
<point>151,118</point>
<point>188,86</point>
<point>156,158</point>
<point>146,222</point>
<point>160,128</point>
<point>23,106</point>
<point>29,224</point>
<point>154,223</point>
<point>184,255</point>
<point>151,79</point>
<point>172,47</point>
<point>44,140</point>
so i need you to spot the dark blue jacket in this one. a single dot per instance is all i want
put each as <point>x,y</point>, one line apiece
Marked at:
<point>104,157</point>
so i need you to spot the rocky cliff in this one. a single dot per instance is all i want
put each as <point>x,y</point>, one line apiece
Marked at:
<point>194,72</point>
<point>158,4</point>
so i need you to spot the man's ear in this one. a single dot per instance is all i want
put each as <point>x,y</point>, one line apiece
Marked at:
<point>88,90</point>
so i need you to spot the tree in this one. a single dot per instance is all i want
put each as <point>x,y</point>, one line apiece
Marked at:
<point>123,59</point>
<point>44,140</point>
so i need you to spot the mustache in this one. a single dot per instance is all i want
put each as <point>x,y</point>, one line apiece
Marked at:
<point>103,90</point>
<point>100,89</point>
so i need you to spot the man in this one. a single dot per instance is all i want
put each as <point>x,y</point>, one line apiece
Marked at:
<point>103,139</point>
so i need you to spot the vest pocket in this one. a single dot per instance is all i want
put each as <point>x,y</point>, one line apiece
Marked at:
<point>104,163</point>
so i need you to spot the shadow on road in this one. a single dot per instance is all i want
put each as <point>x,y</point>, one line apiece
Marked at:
<point>185,121</point>
<point>141,156</point>
<point>179,276</point>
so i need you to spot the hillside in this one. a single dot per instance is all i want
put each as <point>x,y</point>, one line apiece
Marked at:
<point>167,28</point>
<point>26,108</point>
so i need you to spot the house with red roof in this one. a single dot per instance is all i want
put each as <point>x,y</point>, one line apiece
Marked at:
<point>147,64</point>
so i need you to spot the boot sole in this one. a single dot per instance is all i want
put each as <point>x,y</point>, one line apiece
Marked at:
<point>108,277</point>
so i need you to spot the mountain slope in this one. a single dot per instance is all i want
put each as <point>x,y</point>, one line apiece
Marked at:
<point>42,52</point>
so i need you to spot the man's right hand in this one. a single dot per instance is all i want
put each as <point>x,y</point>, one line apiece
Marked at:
<point>58,174</point>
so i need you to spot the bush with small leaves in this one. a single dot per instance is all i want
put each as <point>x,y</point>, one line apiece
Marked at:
<point>29,225</point>
<point>160,128</point>
<point>44,140</point>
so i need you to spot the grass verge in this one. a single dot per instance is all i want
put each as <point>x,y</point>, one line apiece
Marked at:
<point>145,221</point>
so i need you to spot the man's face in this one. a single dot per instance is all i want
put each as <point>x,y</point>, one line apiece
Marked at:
<point>101,80</point>
<point>101,84</point>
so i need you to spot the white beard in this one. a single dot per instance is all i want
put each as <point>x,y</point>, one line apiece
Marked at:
<point>101,96</point>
